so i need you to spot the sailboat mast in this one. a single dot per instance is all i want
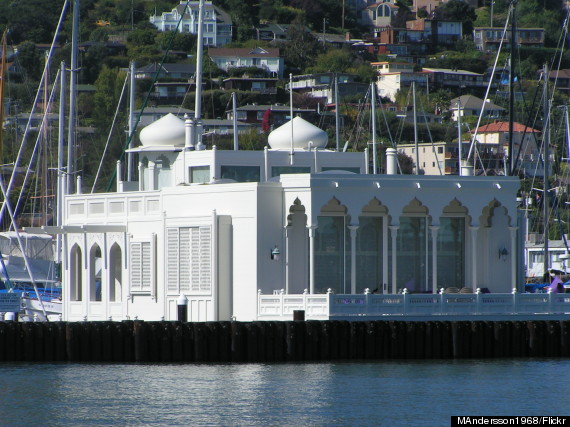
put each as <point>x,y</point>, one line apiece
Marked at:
<point>199,55</point>
<point>130,156</point>
<point>416,129</point>
<point>2,74</point>
<point>336,113</point>
<point>373,114</point>
<point>512,86</point>
<point>60,159</point>
<point>459,153</point>
<point>545,143</point>
<point>72,90</point>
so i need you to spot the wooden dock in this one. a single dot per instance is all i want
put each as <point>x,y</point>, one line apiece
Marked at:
<point>274,341</point>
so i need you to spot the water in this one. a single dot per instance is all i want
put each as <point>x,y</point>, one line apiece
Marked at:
<point>400,393</point>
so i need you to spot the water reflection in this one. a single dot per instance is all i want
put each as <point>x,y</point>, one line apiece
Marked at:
<point>383,393</point>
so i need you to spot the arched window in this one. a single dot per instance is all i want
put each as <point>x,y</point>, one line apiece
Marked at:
<point>115,273</point>
<point>95,267</point>
<point>75,273</point>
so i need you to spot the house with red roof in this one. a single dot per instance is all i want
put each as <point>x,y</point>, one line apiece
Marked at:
<point>494,138</point>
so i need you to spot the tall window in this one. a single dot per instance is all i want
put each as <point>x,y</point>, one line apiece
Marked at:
<point>95,264</point>
<point>369,253</point>
<point>76,273</point>
<point>115,273</point>
<point>413,262</point>
<point>189,260</point>
<point>142,265</point>
<point>451,252</point>
<point>332,255</point>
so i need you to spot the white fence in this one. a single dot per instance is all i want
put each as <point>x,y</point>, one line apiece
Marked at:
<point>280,306</point>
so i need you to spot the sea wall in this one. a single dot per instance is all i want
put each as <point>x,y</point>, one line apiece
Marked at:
<point>293,341</point>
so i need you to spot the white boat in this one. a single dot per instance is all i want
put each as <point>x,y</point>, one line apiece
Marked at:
<point>43,302</point>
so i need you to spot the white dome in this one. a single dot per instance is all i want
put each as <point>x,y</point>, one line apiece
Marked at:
<point>168,130</point>
<point>303,133</point>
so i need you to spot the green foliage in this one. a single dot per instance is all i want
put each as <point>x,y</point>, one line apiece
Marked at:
<point>333,60</point>
<point>178,41</point>
<point>457,10</point>
<point>30,59</point>
<point>302,48</point>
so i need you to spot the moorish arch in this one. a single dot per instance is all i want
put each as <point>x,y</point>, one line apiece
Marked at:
<point>495,244</point>
<point>95,267</point>
<point>413,249</point>
<point>115,273</point>
<point>331,249</point>
<point>76,273</point>
<point>451,246</point>
<point>490,211</point>
<point>371,243</point>
<point>297,242</point>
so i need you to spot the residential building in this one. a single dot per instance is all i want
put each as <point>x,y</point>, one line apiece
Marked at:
<point>488,39</point>
<point>151,114</point>
<point>170,71</point>
<point>279,114</point>
<point>379,14</point>
<point>321,85</point>
<point>271,32</point>
<point>494,138</point>
<point>217,24</point>
<point>174,81</point>
<point>438,158</point>
<point>260,85</point>
<point>561,80</point>
<point>436,32</point>
<point>388,84</point>
<point>470,105</point>
<point>444,78</point>
<point>264,59</point>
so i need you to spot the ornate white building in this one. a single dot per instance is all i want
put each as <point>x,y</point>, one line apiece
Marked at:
<point>217,24</point>
<point>219,227</point>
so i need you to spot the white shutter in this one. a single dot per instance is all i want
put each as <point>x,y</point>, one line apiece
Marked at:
<point>135,266</point>
<point>205,259</point>
<point>195,258</point>
<point>146,267</point>
<point>184,260</point>
<point>172,262</point>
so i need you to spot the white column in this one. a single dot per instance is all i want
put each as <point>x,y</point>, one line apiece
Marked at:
<point>312,231</point>
<point>434,230</point>
<point>141,176</point>
<point>394,234</point>
<point>513,255</point>
<point>474,233</point>
<point>287,257</point>
<point>353,229</point>
<point>151,175</point>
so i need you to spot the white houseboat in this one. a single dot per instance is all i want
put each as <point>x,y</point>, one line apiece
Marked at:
<point>250,235</point>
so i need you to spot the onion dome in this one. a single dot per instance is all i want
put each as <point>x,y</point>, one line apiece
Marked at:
<point>303,133</point>
<point>166,131</point>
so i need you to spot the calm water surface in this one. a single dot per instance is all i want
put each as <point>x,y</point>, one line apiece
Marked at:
<point>329,394</point>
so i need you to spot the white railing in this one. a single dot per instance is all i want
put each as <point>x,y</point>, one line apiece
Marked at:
<point>280,306</point>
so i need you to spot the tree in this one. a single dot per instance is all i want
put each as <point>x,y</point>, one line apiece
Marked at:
<point>184,42</point>
<point>334,60</point>
<point>457,10</point>
<point>301,48</point>
<point>30,60</point>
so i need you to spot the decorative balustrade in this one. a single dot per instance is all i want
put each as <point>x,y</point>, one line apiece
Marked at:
<point>280,306</point>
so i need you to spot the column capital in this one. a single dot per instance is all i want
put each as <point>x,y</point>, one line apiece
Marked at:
<point>312,230</point>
